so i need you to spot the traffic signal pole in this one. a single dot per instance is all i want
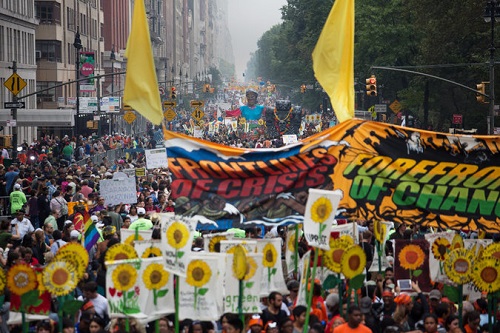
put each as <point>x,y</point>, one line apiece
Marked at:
<point>14,117</point>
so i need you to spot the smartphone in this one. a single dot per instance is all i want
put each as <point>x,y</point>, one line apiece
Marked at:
<point>404,284</point>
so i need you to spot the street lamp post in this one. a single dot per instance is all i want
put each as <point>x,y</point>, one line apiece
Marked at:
<point>78,46</point>
<point>112,57</point>
<point>492,14</point>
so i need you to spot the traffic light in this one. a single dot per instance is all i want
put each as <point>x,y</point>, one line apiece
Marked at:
<point>173,93</point>
<point>481,91</point>
<point>371,86</point>
<point>303,88</point>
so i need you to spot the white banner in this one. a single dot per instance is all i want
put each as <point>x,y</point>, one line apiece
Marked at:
<point>249,245</point>
<point>117,191</point>
<point>305,263</point>
<point>128,236</point>
<point>156,158</point>
<point>251,285</point>
<point>139,288</point>
<point>148,248</point>
<point>200,291</point>
<point>176,241</point>
<point>272,272</point>
<point>321,208</point>
<point>348,229</point>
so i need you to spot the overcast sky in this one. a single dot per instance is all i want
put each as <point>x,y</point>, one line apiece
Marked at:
<point>248,20</point>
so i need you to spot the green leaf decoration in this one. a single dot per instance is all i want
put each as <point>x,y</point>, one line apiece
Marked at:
<point>130,294</point>
<point>452,293</point>
<point>249,285</point>
<point>162,293</point>
<point>71,307</point>
<point>131,310</point>
<point>417,272</point>
<point>273,271</point>
<point>180,254</point>
<point>202,291</point>
<point>357,281</point>
<point>30,298</point>
<point>331,282</point>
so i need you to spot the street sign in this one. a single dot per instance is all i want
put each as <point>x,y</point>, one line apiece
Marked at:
<point>15,83</point>
<point>198,114</point>
<point>169,104</point>
<point>197,103</point>
<point>170,114</point>
<point>14,105</point>
<point>457,119</point>
<point>395,106</point>
<point>129,117</point>
<point>380,108</point>
<point>11,123</point>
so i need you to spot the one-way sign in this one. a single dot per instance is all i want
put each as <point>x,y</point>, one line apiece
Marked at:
<point>14,105</point>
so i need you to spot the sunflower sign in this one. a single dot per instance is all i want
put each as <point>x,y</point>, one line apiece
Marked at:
<point>272,273</point>
<point>251,284</point>
<point>440,245</point>
<point>227,246</point>
<point>212,242</point>
<point>128,236</point>
<point>320,211</point>
<point>139,288</point>
<point>412,261</point>
<point>177,238</point>
<point>198,291</point>
<point>148,248</point>
<point>304,265</point>
<point>291,253</point>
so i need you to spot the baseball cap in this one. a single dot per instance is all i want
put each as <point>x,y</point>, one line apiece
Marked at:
<point>17,187</point>
<point>94,218</point>
<point>365,305</point>
<point>332,300</point>
<point>435,294</point>
<point>255,321</point>
<point>141,211</point>
<point>74,234</point>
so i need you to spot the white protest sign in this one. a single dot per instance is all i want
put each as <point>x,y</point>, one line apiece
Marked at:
<point>251,285</point>
<point>116,191</point>
<point>348,229</point>
<point>272,272</point>
<point>289,138</point>
<point>321,208</point>
<point>156,158</point>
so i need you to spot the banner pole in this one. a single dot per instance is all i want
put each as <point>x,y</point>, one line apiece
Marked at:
<point>296,254</point>
<point>310,294</point>
<point>176,303</point>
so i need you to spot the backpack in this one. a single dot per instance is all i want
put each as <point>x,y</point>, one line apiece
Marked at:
<point>64,208</point>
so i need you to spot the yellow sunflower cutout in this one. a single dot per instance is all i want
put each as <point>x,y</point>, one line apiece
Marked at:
<point>457,242</point>
<point>59,278</point>
<point>198,273</point>
<point>486,274</point>
<point>380,231</point>
<point>2,281</point>
<point>332,258</point>
<point>411,257</point>
<point>458,265</point>
<point>214,245</point>
<point>155,276</point>
<point>177,235</point>
<point>251,268</point>
<point>348,239</point>
<point>492,250</point>
<point>39,279</point>
<point>131,239</point>
<point>239,262</point>
<point>290,245</point>
<point>440,248</point>
<point>321,210</point>
<point>76,255</point>
<point>152,252</point>
<point>120,252</point>
<point>124,277</point>
<point>270,255</point>
<point>353,261</point>
<point>21,278</point>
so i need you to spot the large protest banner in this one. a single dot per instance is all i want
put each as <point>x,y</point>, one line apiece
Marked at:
<point>386,172</point>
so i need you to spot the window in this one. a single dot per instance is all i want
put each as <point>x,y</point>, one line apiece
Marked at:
<point>48,12</point>
<point>50,95</point>
<point>50,50</point>
<point>70,19</point>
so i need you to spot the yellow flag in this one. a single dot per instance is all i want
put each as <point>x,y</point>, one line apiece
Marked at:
<point>333,58</point>
<point>141,85</point>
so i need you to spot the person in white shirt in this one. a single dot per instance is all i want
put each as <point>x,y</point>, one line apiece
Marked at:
<point>58,242</point>
<point>101,305</point>
<point>21,225</point>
